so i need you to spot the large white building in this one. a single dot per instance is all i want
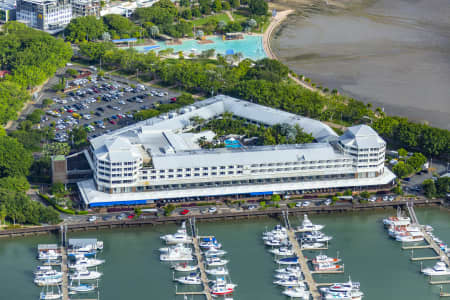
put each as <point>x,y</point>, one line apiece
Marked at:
<point>158,159</point>
<point>48,15</point>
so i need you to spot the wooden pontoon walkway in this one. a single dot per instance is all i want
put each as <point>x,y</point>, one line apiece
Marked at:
<point>304,266</point>
<point>65,274</point>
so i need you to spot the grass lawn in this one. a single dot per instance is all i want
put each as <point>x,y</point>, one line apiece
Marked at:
<point>217,17</point>
<point>239,17</point>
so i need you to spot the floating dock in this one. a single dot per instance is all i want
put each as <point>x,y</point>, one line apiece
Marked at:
<point>304,265</point>
<point>65,274</point>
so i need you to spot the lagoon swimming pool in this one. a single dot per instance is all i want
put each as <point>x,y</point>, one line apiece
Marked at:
<point>251,46</point>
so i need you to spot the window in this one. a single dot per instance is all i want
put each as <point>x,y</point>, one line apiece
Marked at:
<point>179,175</point>
<point>230,172</point>
<point>205,174</point>
<point>214,173</point>
<point>170,170</point>
<point>205,168</point>
<point>170,176</point>
<point>197,169</point>
<point>222,167</point>
<point>222,173</point>
<point>162,177</point>
<point>179,170</point>
<point>230,167</point>
<point>214,168</point>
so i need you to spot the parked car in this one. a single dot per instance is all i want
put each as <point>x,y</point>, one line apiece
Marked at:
<point>328,202</point>
<point>212,209</point>
<point>130,216</point>
<point>92,218</point>
<point>184,212</point>
<point>298,204</point>
<point>306,203</point>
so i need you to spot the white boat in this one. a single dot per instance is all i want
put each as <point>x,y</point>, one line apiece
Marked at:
<point>279,232</point>
<point>85,262</point>
<point>220,287</point>
<point>215,262</point>
<point>440,268</point>
<point>208,243</point>
<point>50,274</point>
<point>99,245</point>
<point>85,275</point>
<point>276,243</point>
<point>307,225</point>
<point>341,287</point>
<point>50,295</point>
<point>289,269</point>
<point>47,281</point>
<point>410,237</point>
<point>81,288</point>
<point>191,279</point>
<point>292,281</point>
<point>351,295</point>
<point>322,258</point>
<point>297,292</point>
<point>178,247</point>
<point>312,245</point>
<point>180,237</point>
<point>49,255</point>
<point>288,275</point>
<point>219,271</point>
<point>316,237</point>
<point>184,267</point>
<point>397,221</point>
<point>327,267</point>
<point>215,252</point>
<point>177,254</point>
<point>42,269</point>
<point>282,251</point>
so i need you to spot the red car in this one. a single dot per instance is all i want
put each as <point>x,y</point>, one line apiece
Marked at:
<point>184,212</point>
<point>112,122</point>
<point>173,99</point>
<point>70,110</point>
<point>131,216</point>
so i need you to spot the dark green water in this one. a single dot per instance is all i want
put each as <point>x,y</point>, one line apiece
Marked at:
<point>133,270</point>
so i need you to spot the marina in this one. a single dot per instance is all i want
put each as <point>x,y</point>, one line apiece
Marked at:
<point>134,252</point>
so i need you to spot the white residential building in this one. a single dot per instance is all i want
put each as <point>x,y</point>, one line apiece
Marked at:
<point>157,159</point>
<point>48,15</point>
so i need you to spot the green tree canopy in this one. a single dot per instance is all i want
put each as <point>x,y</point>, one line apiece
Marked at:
<point>429,188</point>
<point>85,28</point>
<point>14,159</point>
<point>258,7</point>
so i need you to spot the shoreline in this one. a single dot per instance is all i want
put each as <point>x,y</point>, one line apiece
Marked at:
<point>246,214</point>
<point>274,23</point>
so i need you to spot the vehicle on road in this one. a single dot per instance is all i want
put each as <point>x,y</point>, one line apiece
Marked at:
<point>92,219</point>
<point>184,212</point>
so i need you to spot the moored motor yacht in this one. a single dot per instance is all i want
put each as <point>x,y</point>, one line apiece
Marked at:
<point>342,287</point>
<point>215,261</point>
<point>322,258</point>
<point>48,281</point>
<point>409,237</point>
<point>85,262</point>
<point>177,247</point>
<point>291,281</point>
<point>327,267</point>
<point>397,221</point>
<point>276,242</point>
<point>288,275</point>
<point>440,268</point>
<point>180,237</point>
<point>350,295</point>
<point>282,251</point>
<point>297,292</point>
<point>220,287</point>
<point>311,245</point>
<point>289,269</point>
<point>307,225</point>
<point>85,275</point>
<point>49,255</point>
<point>50,274</point>
<point>191,279</point>
<point>42,269</point>
<point>184,267</point>
<point>215,252</point>
<point>219,271</point>
<point>208,243</point>
<point>81,288</point>
<point>316,237</point>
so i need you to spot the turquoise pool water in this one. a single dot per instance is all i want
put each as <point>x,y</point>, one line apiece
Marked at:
<point>251,46</point>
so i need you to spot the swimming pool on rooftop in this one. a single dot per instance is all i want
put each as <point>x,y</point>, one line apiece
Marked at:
<point>250,47</point>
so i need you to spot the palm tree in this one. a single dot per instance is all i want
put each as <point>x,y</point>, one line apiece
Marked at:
<point>252,23</point>
<point>154,30</point>
<point>200,34</point>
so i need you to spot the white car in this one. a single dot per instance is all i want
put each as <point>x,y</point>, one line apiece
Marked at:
<point>92,219</point>
<point>298,204</point>
<point>212,210</point>
<point>328,202</point>
<point>306,203</point>
<point>372,199</point>
<point>385,198</point>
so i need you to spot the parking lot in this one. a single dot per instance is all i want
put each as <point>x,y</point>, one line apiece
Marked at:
<point>101,105</point>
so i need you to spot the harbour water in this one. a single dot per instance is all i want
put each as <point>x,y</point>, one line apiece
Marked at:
<point>133,270</point>
<point>392,53</point>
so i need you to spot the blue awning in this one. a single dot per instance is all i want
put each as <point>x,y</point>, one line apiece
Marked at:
<point>112,203</point>
<point>125,40</point>
<point>152,47</point>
